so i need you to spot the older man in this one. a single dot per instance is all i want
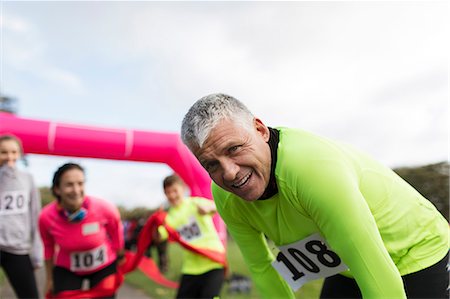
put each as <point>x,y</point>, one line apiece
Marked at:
<point>332,211</point>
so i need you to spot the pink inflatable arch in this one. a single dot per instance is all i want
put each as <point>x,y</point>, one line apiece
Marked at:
<point>51,138</point>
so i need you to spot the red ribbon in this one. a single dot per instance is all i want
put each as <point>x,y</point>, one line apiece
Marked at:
<point>109,285</point>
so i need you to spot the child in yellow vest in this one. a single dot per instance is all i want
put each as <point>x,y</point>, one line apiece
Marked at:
<point>192,218</point>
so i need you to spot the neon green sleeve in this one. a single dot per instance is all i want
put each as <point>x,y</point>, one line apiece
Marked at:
<point>329,193</point>
<point>255,251</point>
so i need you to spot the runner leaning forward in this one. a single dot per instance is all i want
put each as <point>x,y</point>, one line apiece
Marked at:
<point>82,235</point>
<point>327,207</point>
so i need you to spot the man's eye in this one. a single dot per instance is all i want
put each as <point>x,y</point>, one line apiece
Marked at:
<point>233,148</point>
<point>211,166</point>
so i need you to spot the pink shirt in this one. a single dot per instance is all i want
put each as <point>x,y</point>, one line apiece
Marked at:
<point>86,246</point>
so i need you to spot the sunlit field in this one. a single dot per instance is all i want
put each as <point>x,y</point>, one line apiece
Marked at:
<point>236,263</point>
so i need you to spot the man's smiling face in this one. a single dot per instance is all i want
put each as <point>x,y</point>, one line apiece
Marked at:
<point>237,159</point>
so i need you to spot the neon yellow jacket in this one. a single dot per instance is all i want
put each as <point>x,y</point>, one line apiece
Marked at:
<point>378,224</point>
<point>198,230</point>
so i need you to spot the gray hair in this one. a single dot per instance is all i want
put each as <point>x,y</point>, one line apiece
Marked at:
<point>207,112</point>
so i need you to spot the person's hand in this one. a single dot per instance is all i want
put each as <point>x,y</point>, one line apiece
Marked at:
<point>121,258</point>
<point>36,263</point>
<point>49,286</point>
<point>206,209</point>
<point>203,210</point>
<point>37,266</point>
<point>121,261</point>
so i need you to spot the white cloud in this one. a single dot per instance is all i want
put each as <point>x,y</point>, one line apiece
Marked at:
<point>14,24</point>
<point>25,51</point>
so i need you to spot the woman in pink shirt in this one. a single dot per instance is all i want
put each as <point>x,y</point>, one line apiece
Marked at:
<point>82,235</point>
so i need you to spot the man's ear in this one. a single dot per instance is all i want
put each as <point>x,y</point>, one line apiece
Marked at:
<point>261,128</point>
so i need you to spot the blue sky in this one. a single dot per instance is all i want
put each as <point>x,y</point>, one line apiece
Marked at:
<point>373,74</point>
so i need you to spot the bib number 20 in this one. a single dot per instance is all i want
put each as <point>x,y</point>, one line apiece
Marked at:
<point>13,202</point>
<point>307,260</point>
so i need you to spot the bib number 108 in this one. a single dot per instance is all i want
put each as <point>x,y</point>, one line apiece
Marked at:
<point>307,260</point>
<point>324,256</point>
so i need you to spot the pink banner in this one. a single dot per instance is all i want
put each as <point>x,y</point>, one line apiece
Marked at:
<point>60,139</point>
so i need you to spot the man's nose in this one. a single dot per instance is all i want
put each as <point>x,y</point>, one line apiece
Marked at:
<point>230,170</point>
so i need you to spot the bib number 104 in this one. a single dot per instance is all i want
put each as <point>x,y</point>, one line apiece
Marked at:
<point>88,260</point>
<point>307,260</point>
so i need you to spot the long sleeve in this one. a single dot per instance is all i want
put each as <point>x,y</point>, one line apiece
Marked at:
<point>47,238</point>
<point>256,254</point>
<point>330,194</point>
<point>36,252</point>
<point>114,228</point>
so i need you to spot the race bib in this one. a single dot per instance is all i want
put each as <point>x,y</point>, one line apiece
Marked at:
<point>190,231</point>
<point>307,259</point>
<point>88,260</point>
<point>14,202</point>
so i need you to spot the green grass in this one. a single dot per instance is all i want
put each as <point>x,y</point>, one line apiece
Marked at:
<point>236,264</point>
<point>2,276</point>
